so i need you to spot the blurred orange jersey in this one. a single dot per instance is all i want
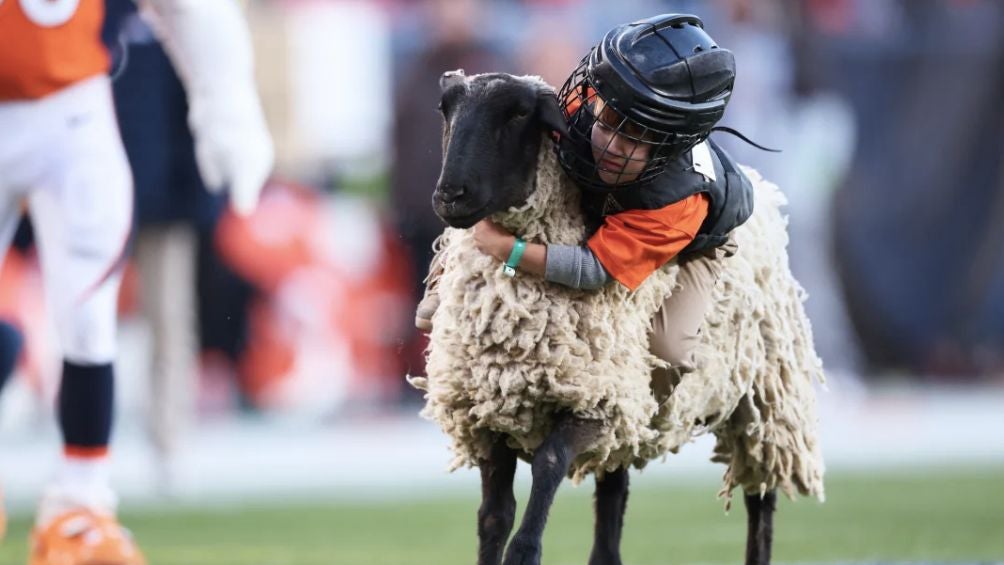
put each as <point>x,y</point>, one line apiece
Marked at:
<point>46,45</point>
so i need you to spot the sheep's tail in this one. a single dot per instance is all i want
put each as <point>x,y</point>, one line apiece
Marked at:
<point>770,440</point>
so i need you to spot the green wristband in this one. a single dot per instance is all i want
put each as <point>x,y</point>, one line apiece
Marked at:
<point>509,269</point>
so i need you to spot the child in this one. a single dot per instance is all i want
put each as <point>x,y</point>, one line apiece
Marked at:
<point>640,107</point>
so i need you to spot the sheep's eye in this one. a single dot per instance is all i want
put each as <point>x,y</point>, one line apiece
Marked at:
<point>519,114</point>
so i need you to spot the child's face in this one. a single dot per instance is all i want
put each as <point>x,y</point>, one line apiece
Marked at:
<point>619,158</point>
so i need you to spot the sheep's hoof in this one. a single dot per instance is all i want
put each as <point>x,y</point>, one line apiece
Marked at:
<point>522,552</point>
<point>604,558</point>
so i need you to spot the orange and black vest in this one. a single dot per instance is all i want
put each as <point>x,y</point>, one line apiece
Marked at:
<point>730,195</point>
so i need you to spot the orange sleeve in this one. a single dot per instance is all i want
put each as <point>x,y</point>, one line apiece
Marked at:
<point>633,244</point>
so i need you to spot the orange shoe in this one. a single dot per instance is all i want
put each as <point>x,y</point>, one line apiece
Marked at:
<point>83,537</point>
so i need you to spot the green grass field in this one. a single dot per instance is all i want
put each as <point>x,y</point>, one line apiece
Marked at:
<point>945,516</point>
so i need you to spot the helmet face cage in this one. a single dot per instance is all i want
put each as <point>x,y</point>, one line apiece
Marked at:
<point>649,149</point>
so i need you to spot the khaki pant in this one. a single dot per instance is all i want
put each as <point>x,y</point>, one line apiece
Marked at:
<point>165,256</point>
<point>676,327</point>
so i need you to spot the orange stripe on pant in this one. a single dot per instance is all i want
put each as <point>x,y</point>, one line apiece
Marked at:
<point>78,452</point>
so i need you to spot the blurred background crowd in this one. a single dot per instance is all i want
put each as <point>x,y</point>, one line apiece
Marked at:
<point>888,113</point>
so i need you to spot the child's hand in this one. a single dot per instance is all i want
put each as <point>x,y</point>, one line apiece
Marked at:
<point>493,240</point>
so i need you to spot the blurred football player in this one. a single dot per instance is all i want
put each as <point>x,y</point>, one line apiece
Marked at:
<point>61,155</point>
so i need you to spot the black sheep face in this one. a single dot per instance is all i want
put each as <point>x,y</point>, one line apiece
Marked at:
<point>492,126</point>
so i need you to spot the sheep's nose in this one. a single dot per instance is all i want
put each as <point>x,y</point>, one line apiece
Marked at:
<point>451,192</point>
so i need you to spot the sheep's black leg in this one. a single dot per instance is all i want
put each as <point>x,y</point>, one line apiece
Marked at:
<point>498,505</point>
<point>611,502</point>
<point>760,521</point>
<point>550,464</point>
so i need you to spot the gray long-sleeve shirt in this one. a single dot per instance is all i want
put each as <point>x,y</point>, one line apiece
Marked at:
<point>575,266</point>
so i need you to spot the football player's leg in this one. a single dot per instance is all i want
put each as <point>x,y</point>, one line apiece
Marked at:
<point>82,215</point>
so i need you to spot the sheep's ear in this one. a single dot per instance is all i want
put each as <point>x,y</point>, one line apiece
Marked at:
<point>451,78</point>
<point>550,114</point>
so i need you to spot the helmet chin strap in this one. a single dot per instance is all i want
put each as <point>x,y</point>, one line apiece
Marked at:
<point>744,138</point>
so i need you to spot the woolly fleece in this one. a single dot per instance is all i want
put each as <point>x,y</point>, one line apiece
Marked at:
<point>506,354</point>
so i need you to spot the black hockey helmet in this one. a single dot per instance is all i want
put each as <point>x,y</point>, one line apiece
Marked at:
<point>661,81</point>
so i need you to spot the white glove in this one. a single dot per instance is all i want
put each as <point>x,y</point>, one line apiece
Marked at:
<point>232,146</point>
<point>209,43</point>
